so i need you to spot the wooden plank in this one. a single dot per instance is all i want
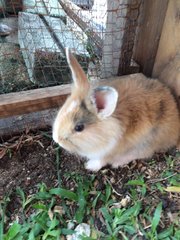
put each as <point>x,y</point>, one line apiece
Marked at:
<point>27,122</point>
<point>149,32</point>
<point>169,44</point>
<point>32,100</point>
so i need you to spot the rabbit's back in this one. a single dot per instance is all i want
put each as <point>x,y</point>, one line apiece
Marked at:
<point>148,112</point>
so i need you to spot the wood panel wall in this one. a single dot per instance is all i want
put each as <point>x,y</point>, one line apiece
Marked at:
<point>153,13</point>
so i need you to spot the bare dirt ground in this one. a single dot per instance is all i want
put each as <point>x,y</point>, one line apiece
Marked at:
<point>30,159</point>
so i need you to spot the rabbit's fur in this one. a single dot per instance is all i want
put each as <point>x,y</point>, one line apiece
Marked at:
<point>128,119</point>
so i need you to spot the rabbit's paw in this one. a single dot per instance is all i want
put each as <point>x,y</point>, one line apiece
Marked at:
<point>93,165</point>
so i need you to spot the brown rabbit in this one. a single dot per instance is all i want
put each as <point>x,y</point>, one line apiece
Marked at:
<point>128,119</point>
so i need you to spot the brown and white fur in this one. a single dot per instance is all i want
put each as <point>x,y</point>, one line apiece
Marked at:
<point>126,120</point>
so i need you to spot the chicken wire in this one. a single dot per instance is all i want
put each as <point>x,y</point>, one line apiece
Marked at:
<point>35,33</point>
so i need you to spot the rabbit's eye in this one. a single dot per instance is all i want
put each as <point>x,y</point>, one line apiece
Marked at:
<point>79,127</point>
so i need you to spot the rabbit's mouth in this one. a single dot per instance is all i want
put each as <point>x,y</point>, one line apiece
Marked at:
<point>68,145</point>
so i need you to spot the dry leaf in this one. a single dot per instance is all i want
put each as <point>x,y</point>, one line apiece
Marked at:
<point>125,201</point>
<point>50,213</point>
<point>172,189</point>
<point>59,209</point>
<point>2,153</point>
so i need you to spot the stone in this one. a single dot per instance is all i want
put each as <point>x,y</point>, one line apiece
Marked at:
<point>11,31</point>
<point>82,230</point>
<point>5,30</point>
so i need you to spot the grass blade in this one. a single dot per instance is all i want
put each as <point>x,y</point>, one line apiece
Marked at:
<point>156,218</point>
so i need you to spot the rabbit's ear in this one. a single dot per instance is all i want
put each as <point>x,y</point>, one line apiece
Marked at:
<point>105,99</point>
<point>78,75</point>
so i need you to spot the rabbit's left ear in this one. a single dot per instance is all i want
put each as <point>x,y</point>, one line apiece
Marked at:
<point>105,100</point>
<point>78,74</point>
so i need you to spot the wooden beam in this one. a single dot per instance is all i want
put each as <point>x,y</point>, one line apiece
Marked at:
<point>169,45</point>
<point>148,34</point>
<point>33,100</point>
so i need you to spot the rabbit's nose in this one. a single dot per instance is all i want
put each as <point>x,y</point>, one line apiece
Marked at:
<point>62,139</point>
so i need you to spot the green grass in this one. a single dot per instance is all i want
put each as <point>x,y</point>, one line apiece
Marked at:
<point>46,214</point>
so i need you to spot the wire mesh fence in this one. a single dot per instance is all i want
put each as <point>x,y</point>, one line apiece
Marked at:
<point>35,33</point>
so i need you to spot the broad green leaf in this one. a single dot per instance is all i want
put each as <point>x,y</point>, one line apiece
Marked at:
<point>39,206</point>
<point>133,211</point>
<point>156,217</point>
<point>25,228</point>
<point>106,214</point>
<point>25,201</point>
<point>130,229</point>
<point>21,193</point>
<point>96,199</point>
<point>43,195</point>
<point>79,215</point>
<point>13,231</point>
<point>37,228</point>
<point>108,192</point>
<point>53,223</point>
<point>109,228</point>
<point>31,235</point>
<point>53,233</point>
<point>166,233</point>
<point>177,234</point>
<point>136,182</point>
<point>64,193</point>
<point>66,231</point>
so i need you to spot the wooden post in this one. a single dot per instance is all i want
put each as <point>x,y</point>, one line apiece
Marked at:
<point>153,13</point>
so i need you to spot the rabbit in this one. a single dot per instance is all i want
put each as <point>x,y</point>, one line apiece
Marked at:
<point>116,123</point>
